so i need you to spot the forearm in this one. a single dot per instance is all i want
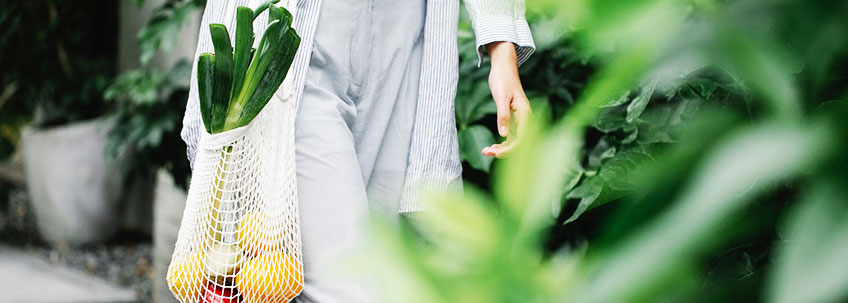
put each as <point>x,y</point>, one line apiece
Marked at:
<point>503,57</point>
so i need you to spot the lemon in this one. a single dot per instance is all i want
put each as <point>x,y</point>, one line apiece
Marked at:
<point>185,277</point>
<point>257,235</point>
<point>270,277</point>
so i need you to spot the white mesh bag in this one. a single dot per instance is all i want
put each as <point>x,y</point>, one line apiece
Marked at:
<point>239,240</point>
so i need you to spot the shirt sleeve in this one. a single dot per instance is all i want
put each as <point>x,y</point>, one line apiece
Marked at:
<point>501,20</point>
<point>217,11</point>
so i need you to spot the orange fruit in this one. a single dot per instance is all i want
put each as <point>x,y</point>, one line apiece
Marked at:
<point>256,234</point>
<point>186,278</point>
<point>270,277</point>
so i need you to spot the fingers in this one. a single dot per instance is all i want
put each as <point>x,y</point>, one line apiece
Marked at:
<point>500,150</point>
<point>518,113</point>
<point>522,113</point>
<point>504,111</point>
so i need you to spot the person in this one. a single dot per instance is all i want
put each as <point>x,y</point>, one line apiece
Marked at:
<point>375,85</point>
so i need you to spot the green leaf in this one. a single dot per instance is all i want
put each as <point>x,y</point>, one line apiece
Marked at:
<point>621,100</point>
<point>534,175</point>
<point>704,88</point>
<point>571,179</point>
<point>476,105</point>
<point>262,7</point>
<point>587,192</point>
<point>163,28</point>
<point>610,120</point>
<point>274,13</point>
<point>205,74</point>
<point>602,151</point>
<point>264,54</point>
<point>471,141</point>
<point>243,45</point>
<point>810,263</point>
<point>617,172</point>
<point>635,108</point>
<point>222,81</point>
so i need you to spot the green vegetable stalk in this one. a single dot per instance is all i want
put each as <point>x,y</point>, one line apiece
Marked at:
<point>235,83</point>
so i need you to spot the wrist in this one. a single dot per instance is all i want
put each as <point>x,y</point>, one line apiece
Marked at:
<point>502,55</point>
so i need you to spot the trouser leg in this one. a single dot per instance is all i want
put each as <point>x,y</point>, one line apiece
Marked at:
<point>333,204</point>
<point>352,136</point>
<point>386,108</point>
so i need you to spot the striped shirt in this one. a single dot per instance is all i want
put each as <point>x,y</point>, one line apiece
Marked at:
<point>434,151</point>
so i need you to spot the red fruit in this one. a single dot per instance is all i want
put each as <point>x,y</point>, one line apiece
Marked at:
<point>221,294</point>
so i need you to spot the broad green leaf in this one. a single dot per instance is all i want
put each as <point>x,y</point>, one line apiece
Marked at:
<point>602,151</point>
<point>616,172</point>
<point>472,140</point>
<point>631,137</point>
<point>587,192</point>
<point>635,108</point>
<point>704,88</point>
<point>621,100</point>
<point>478,104</point>
<point>610,120</point>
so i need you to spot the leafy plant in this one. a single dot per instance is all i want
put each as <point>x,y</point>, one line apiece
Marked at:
<point>164,26</point>
<point>149,103</point>
<point>710,134</point>
<point>148,113</point>
<point>56,62</point>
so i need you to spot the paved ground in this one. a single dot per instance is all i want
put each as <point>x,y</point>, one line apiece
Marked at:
<point>29,279</point>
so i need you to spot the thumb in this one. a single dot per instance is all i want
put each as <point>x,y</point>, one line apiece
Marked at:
<point>503,107</point>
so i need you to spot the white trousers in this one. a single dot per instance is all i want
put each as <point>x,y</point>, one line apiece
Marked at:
<point>353,134</point>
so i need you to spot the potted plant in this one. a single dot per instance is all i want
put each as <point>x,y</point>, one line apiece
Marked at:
<point>58,69</point>
<point>149,100</point>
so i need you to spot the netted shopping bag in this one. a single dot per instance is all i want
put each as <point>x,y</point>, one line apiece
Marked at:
<point>239,239</point>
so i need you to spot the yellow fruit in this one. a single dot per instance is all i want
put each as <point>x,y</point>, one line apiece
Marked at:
<point>270,277</point>
<point>185,277</point>
<point>257,234</point>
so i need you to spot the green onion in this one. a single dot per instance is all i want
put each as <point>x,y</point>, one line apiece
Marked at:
<point>237,82</point>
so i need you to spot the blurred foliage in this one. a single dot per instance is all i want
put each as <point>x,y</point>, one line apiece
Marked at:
<point>699,159</point>
<point>164,26</point>
<point>149,111</point>
<point>150,103</point>
<point>56,60</point>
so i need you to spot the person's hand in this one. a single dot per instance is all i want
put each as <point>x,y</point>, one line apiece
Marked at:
<point>513,107</point>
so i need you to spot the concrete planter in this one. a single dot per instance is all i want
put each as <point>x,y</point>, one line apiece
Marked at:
<point>74,189</point>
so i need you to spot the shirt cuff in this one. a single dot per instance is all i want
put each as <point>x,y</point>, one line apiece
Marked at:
<point>504,28</point>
